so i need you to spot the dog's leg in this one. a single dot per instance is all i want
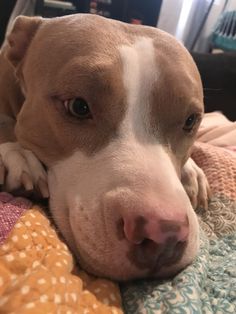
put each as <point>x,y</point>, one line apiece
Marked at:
<point>195,184</point>
<point>20,171</point>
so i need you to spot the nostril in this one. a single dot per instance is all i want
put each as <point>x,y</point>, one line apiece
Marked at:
<point>120,229</point>
<point>146,254</point>
<point>173,252</point>
<point>126,229</point>
<point>149,246</point>
<point>134,229</point>
<point>171,246</point>
<point>175,229</point>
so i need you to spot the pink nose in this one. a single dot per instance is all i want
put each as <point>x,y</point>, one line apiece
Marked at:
<point>138,228</point>
<point>156,230</point>
<point>155,242</point>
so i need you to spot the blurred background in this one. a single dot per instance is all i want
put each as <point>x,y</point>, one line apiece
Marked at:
<point>191,21</point>
<point>206,27</point>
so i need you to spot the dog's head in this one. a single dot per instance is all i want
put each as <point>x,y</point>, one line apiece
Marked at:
<point>112,110</point>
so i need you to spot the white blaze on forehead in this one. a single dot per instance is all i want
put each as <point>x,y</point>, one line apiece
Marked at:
<point>139,77</point>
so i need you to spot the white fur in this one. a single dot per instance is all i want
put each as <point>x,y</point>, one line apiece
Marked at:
<point>195,184</point>
<point>18,160</point>
<point>139,76</point>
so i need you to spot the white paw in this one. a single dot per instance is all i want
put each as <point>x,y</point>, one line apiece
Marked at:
<point>20,169</point>
<point>195,184</point>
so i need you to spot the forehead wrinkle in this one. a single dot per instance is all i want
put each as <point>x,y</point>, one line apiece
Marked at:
<point>75,73</point>
<point>139,76</point>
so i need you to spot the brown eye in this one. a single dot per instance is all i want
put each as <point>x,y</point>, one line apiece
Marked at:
<point>79,108</point>
<point>190,122</point>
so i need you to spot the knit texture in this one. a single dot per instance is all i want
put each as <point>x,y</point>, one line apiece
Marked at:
<point>11,208</point>
<point>38,274</point>
<point>219,166</point>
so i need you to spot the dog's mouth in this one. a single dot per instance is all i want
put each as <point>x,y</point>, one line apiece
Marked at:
<point>153,256</point>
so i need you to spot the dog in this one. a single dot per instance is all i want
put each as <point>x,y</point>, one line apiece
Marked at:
<point>101,116</point>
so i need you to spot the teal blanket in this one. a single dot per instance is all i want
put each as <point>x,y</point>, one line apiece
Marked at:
<point>206,286</point>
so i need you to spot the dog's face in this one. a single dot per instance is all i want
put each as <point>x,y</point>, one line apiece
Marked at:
<point>112,110</point>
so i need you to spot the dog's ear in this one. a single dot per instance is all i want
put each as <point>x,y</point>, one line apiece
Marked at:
<point>19,39</point>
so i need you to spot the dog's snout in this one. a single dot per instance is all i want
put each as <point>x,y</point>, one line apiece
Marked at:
<point>155,242</point>
<point>155,235</point>
<point>150,227</point>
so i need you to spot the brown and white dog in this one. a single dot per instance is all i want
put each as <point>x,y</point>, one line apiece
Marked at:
<point>111,110</point>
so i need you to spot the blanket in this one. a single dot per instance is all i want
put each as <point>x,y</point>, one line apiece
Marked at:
<point>39,275</point>
<point>37,270</point>
<point>217,130</point>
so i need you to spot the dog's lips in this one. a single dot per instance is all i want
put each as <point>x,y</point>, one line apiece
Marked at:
<point>166,259</point>
<point>162,256</point>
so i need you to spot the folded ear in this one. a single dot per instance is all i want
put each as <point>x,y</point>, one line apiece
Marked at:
<point>19,39</point>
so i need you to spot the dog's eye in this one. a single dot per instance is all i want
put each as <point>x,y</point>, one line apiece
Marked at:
<point>79,108</point>
<point>190,122</point>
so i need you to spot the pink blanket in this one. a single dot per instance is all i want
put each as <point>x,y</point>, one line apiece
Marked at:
<point>217,130</point>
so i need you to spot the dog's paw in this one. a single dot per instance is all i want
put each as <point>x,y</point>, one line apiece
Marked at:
<point>195,184</point>
<point>21,172</point>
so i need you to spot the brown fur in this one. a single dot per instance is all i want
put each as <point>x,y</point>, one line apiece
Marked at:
<point>99,82</point>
